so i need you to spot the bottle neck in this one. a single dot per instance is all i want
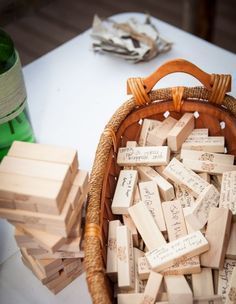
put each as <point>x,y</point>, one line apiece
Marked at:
<point>7,52</point>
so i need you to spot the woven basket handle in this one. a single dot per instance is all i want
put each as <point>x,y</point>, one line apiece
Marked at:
<point>217,84</point>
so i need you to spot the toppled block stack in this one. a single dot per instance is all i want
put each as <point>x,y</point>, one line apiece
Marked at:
<point>174,238</point>
<point>43,193</point>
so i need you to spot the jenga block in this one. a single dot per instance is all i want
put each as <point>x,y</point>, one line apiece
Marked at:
<point>28,190</point>
<point>201,132</point>
<point>213,299</point>
<point>207,166</point>
<point>167,255</point>
<point>81,179</point>
<point>228,191</point>
<point>124,193</point>
<point>146,225</point>
<point>217,234</point>
<point>152,288</point>
<point>225,277</point>
<point>49,266</point>
<point>213,144</point>
<point>182,175</point>
<point>176,228</point>
<point>215,273</point>
<point>46,153</point>
<point>143,156</point>
<point>74,265</point>
<point>127,220</point>
<point>148,125</point>
<point>184,196</point>
<point>205,176</point>
<point>76,230</point>
<point>180,131</point>
<point>56,224</point>
<point>165,188</point>
<point>231,294</point>
<point>158,136</point>
<point>130,144</point>
<point>143,268</point>
<point>71,245</point>
<point>10,204</point>
<point>129,298</point>
<point>56,255</point>
<point>231,248</point>
<point>137,197</point>
<point>203,283</point>
<point>112,250</point>
<point>151,198</point>
<point>138,283</point>
<point>125,259</point>
<point>198,217</point>
<point>225,159</point>
<point>178,290</point>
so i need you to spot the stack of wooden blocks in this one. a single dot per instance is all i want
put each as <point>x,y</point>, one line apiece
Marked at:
<point>174,240</point>
<point>42,193</point>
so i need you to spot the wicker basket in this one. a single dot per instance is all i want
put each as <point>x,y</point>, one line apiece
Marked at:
<point>125,125</point>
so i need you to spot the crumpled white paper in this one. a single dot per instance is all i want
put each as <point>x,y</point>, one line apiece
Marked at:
<point>132,40</point>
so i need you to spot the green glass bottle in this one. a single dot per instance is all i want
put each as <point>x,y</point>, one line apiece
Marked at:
<point>14,120</point>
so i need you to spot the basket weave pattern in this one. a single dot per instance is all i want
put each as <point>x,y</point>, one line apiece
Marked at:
<point>125,124</point>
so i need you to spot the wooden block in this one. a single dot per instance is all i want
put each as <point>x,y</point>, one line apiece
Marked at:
<point>111,269</point>
<point>149,174</point>
<point>228,191</point>
<point>176,228</point>
<point>44,152</point>
<point>56,255</point>
<point>198,217</point>
<point>182,175</point>
<point>148,125</point>
<point>214,144</point>
<point>71,245</point>
<point>82,180</point>
<point>178,290</point>
<point>225,159</point>
<point>225,278</point>
<point>143,156</point>
<point>50,266</point>
<point>124,193</point>
<point>231,248</point>
<point>231,294</point>
<point>10,204</point>
<point>139,285</point>
<point>217,234</point>
<point>143,268</point>
<point>41,192</point>
<point>167,255</point>
<point>137,197</point>
<point>205,176</point>
<point>207,166</point>
<point>125,259</point>
<point>215,279</point>
<point>203,283</point>
<point>130,144</point>
<point>74,265</point>
<point>146,225</point>
<point>184,196</point>
<point>158,136</point>
<point>152,288</point>
<point>76,228</point>
<point>127,220</point>
<point>180,131</point>
<point>129,298</point>
<point>201,132</point>
<point>213,299</point>
<point>151,198</point>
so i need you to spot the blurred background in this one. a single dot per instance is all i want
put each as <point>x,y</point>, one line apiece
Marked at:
<point>38,26</point>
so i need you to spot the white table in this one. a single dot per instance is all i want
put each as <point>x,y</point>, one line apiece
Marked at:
<point>72,93</point>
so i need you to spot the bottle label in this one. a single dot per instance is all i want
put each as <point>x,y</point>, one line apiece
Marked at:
<point>12,92</point>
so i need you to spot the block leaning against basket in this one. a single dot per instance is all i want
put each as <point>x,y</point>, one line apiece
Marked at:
<point>125,126</point>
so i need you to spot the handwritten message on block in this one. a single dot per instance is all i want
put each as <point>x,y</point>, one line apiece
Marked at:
<point>207,166</point>
<point>199,133</point>
<point>225,278</point>
<point>152,288</point>
<point>182,175</point>
<point>166,255</point>
<point>184,196</point>
<point>210,197</point>
<point>125,258</point>
<point>151,198</point>
<point>123,197</point>
<point>208,144</point>
<point>226,159</point>
<point>166,189</point>
<point>228,191</point>
<point>143,156</point>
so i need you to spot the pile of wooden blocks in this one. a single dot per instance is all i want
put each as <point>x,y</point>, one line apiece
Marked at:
<point>174,240</point>
<point>43,194</point>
